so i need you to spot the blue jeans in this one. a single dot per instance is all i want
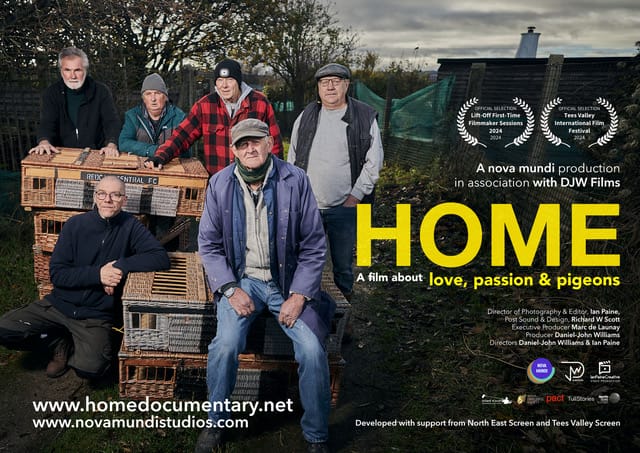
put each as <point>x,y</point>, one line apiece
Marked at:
<point>340,225</point>
<point>230,340</point>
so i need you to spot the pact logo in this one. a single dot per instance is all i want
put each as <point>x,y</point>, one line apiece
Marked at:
<point>540,371</point>
<point>554,399</point>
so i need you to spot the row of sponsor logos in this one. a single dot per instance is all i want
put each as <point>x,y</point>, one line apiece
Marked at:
<point>532,400</point>
<point>541,370</point>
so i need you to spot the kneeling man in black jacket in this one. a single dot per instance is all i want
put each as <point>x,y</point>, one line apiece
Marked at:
<point>94,253</point>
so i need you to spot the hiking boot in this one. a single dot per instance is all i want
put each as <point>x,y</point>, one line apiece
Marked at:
<point>320,447</point>
<point>209,440</point>
<point>58,364</point>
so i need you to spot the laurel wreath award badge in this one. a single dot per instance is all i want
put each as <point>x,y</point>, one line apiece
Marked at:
<point>528,130</point>
<point>462,130</point>
<point>613,124</point>
<point>544,123</point>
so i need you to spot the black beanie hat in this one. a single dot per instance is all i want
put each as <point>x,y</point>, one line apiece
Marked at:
<point>228,68</point>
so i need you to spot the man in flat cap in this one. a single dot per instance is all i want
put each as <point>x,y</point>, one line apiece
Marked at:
<point>337,142</point>
<point>263,247</point>
<point>213,116</point>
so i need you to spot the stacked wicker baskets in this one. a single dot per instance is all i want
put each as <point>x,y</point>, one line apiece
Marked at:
<point>169,321</point>
<point>58,186</point>
<point>169,317</point>
<point>66,180</point>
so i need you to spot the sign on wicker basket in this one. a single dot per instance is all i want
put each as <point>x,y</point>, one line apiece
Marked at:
<point>67,179</point>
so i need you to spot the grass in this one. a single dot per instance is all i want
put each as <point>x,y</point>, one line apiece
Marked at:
<point>17,286</point>
<point>421,353</point>
<point>436,340</point>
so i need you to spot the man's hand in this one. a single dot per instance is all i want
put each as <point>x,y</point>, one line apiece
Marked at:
<point>109,290</point>
<point>241,302</point>
<point>291,309</point>
<point>111,150</point>
<point>110,275</point>
<point>350,202</point>
<point>154,163</point>
<point>44,147</point>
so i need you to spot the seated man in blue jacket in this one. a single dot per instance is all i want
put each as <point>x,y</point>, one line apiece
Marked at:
<point>149,124</point>
<point>262,245</point>
<point>90,262</point>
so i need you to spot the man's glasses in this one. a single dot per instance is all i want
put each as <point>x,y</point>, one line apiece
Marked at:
<point>115,196</point>
<point>324,83</point>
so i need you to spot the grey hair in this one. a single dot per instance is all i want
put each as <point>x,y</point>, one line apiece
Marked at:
<point>73,52</point>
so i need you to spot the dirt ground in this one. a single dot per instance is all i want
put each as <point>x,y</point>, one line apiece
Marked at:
<point>23,381</point>
<point>361,397</point>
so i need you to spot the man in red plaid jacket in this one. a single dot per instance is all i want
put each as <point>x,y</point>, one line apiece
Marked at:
<point>214,115</point>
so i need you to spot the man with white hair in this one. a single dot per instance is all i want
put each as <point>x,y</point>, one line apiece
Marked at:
<point>77,111</point>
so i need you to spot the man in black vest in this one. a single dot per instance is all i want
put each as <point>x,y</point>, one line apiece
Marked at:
<point>337,142</point>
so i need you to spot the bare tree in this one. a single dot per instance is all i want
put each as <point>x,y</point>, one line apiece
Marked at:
<point>297,37</point>
<point>24,34</point>
<point>120,36</point>
<point>171,33</point>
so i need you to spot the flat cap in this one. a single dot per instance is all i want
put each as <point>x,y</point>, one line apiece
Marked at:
<point>250,127</point>
<point>333,69</point>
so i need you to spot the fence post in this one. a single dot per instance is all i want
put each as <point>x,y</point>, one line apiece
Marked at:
<point>549,91</point>
<point>474,87</point>
<point>476,79</point>
<point>474,90</point>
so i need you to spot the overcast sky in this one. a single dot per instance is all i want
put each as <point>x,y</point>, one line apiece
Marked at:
<point>467,29</point>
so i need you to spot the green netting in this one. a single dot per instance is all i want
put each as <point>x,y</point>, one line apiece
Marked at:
<point>416,116</point>
<point>364,94</point>
<point>282,106</point>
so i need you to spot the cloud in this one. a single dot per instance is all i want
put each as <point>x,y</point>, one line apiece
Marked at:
<point>462,28</point>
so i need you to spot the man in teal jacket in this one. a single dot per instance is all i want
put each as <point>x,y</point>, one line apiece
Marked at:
<point>148,125</point>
